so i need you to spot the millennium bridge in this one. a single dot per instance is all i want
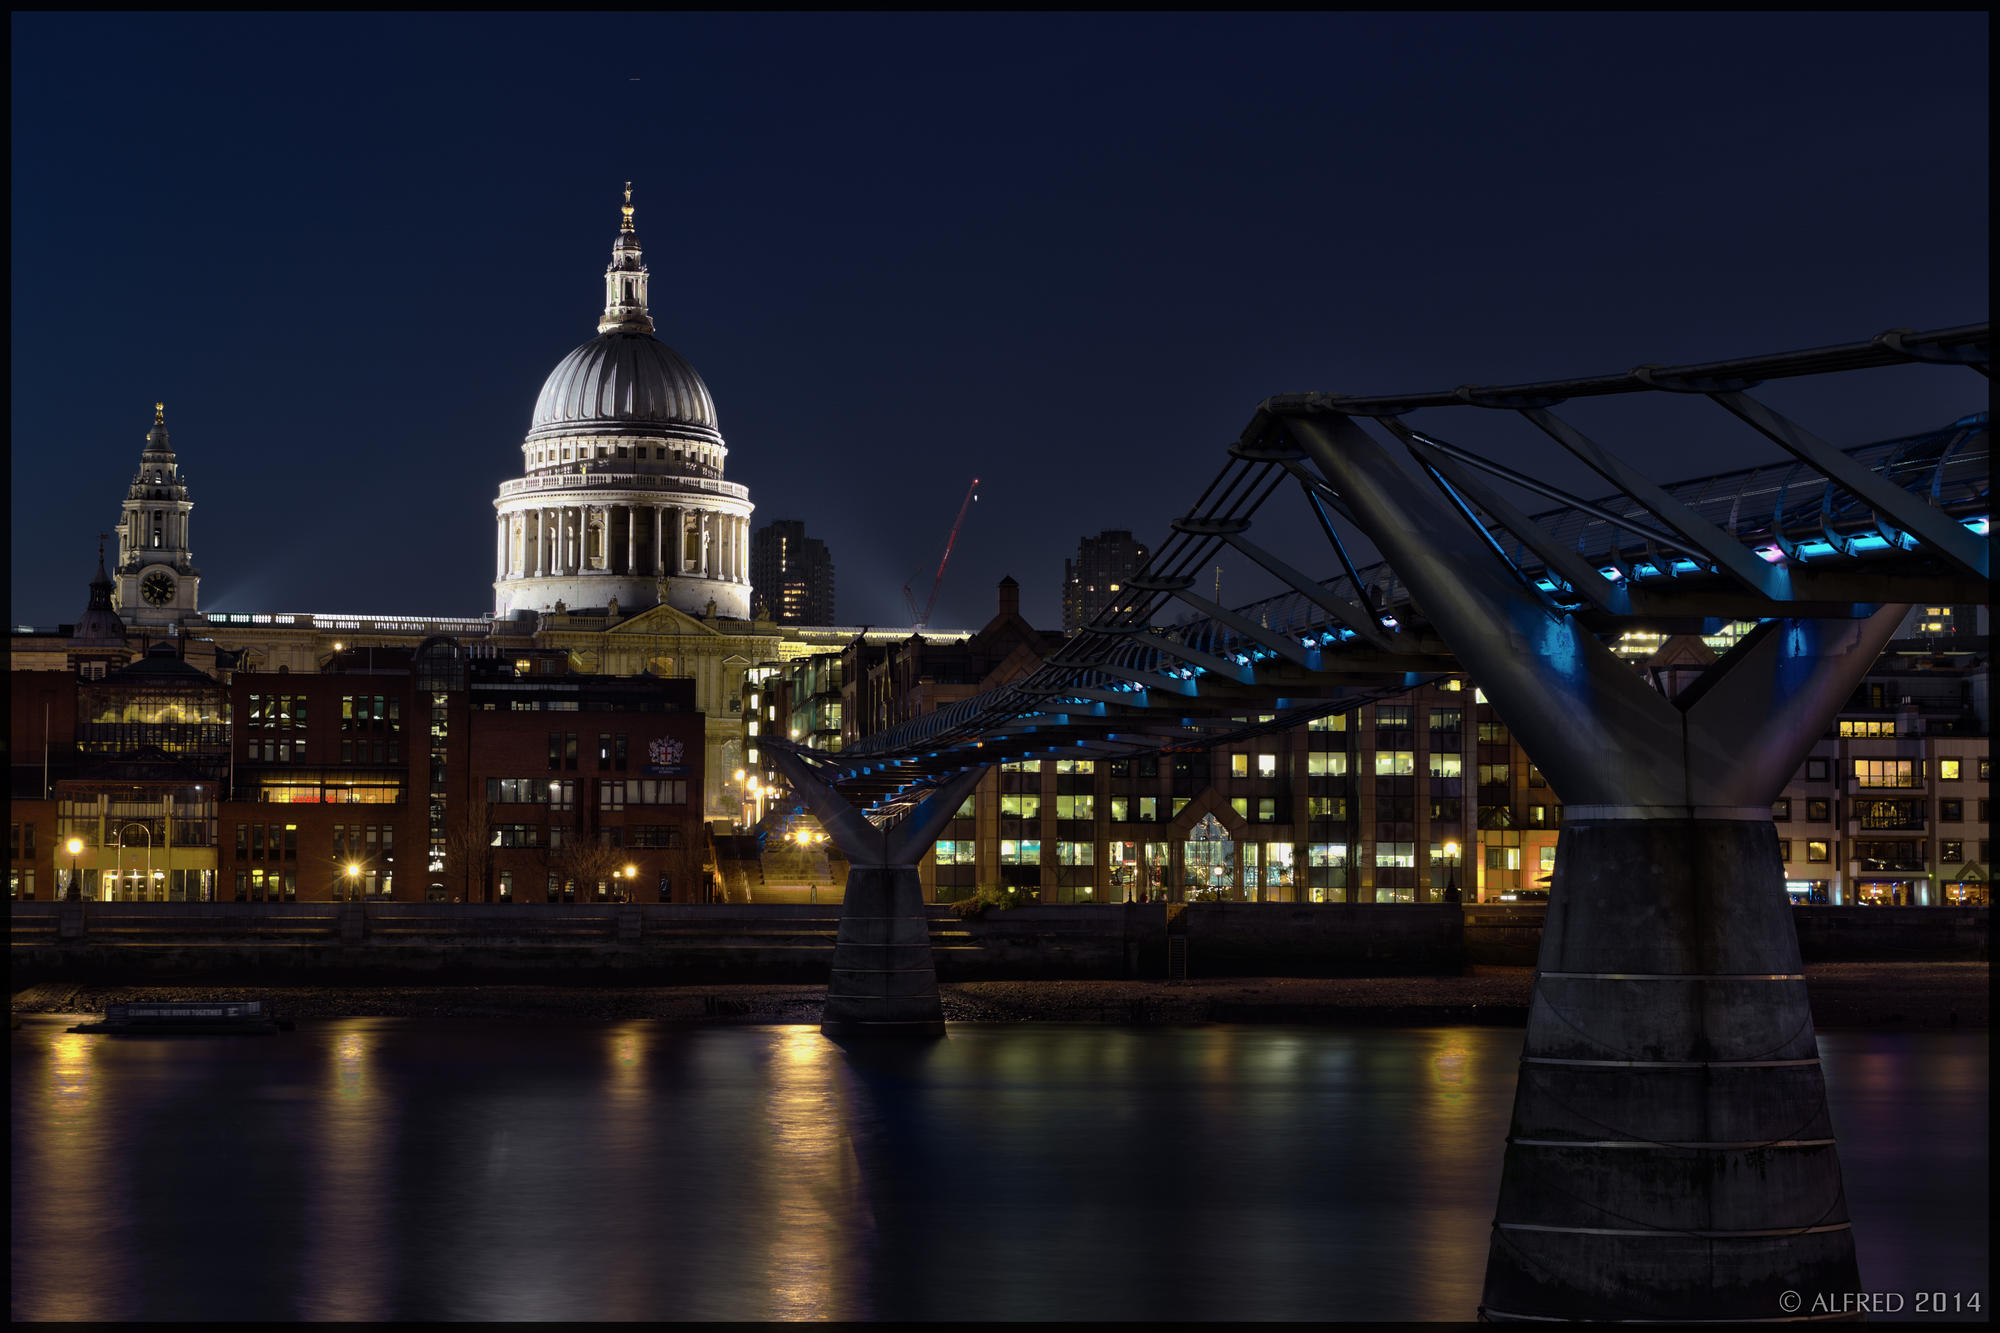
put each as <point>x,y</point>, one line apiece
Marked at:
<point>1670,1155</point>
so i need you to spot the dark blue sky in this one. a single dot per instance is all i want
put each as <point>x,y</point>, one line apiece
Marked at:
<point>1068,254</point>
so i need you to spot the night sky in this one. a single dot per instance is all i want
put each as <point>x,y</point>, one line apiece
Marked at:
<point>1066,254</point>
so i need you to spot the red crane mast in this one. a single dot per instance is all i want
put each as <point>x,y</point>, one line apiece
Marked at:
<point>920,620</point>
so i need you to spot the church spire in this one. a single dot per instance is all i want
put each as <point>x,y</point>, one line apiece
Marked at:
<point>154,579</point>
<point>625,279</point>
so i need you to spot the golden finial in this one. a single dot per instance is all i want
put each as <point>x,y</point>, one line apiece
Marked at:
<point>627,209</point>
<point>159,414</point>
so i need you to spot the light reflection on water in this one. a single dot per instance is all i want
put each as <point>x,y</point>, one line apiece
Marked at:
<point>374,1169</point>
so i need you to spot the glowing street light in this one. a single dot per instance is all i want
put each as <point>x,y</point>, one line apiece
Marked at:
<point>75,876</point>
<point>353,881</point>
<point>1451,873</point>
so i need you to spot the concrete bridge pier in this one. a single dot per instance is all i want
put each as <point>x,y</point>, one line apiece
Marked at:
<point>1671,1156</point>
<point>884,981</point>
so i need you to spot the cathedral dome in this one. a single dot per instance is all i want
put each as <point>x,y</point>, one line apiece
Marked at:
<point>621,380</point>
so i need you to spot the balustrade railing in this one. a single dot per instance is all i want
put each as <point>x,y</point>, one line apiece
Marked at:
<point>666,483</point>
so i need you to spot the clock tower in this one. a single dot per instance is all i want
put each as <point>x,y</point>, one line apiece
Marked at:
<point>156,579</point>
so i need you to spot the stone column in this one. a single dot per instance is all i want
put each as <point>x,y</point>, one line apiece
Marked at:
<point>500,566</point>
<point>659,540</point>
<point>631,539</point>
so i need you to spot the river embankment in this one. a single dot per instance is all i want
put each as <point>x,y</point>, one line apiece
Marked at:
<point>1844,996</point>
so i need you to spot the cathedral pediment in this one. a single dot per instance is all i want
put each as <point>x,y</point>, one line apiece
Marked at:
<point>663,619</point>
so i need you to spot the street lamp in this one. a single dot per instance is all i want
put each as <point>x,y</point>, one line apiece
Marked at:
<point>75,876</point>
<point>354,881</point>
<point>1451,873</point>
<point>631,874</point>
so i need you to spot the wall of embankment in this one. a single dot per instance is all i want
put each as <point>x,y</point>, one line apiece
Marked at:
<point>664,944</point>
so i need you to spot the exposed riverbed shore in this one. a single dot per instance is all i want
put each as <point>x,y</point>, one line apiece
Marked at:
<point>1844,995</point>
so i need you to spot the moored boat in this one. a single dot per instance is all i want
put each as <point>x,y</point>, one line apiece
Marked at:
<point>187,1016</point>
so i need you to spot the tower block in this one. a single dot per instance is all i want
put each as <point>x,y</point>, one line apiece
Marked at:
<point>1670,1156</point>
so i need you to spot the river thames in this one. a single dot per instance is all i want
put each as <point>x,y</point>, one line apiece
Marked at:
<point>377,1169</point>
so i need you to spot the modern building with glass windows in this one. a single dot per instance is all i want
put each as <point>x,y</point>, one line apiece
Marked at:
<point>1407,797</point>
<point>1893,808</point>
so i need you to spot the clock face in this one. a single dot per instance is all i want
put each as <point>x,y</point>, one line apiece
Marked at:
<point>157,587</point>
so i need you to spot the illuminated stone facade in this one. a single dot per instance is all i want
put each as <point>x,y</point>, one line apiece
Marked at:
<point>621,502</point>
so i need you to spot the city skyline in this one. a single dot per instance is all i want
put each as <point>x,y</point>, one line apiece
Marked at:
<point>1106,242</point>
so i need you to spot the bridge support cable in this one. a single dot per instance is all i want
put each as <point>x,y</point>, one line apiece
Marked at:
<point>1579,577</point>
<point>1668,881</point>
<point>1365,626</point>
<point>884,980</point>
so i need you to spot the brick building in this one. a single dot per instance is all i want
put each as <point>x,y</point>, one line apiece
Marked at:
<point>432,774</point>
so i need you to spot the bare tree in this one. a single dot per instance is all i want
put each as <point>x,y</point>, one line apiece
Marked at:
<point>588,862</point>
<point>683,863</point>
<point>468,848</point>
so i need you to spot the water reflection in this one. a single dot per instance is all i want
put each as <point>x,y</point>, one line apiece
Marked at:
<point>1454,1166</point>
<point>820,1226</point>
<point>344,1273</point>
<point>379,1169</point>
<point>59,1163</point>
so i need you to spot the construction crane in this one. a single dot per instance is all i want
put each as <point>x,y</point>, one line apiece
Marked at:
<point>920,619</point>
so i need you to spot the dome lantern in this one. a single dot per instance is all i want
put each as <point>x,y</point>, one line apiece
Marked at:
<point>625,280</point>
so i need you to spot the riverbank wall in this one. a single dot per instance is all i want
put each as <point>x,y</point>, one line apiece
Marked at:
<point>654,944</point>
